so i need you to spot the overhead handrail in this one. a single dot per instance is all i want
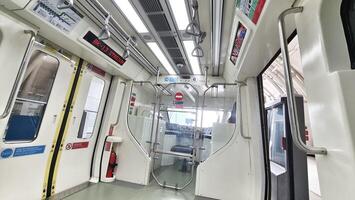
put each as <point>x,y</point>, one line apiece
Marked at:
<point>197,52</point>
<point>124,35</point>
<point>22,70</point>
<point>105,32</point>
<point>291,102</point>
<point>240,113</point>
<point>193,28</point>
<point>64,4</point>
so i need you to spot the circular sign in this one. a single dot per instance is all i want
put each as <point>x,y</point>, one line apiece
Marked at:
<point>179,96</point>
<point>6,153</point>
<point>69,146</point>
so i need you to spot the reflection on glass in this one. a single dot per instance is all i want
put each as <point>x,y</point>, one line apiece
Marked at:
<point>141,114</point>
<point>217,120</point>
<point>92,105</point>
<point>277,134</point>
<point>172,170</point>
<point>31,101</point>
<point>174,150</point>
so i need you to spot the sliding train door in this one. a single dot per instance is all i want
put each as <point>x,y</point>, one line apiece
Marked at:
<point>27,133</point>
<point>73,163</point>
<point>174,149</point>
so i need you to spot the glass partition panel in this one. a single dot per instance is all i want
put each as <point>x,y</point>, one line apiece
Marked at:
<point>140,116</point>
<point>217,118</point>
<point>172,170</point>
<point>174,146</point>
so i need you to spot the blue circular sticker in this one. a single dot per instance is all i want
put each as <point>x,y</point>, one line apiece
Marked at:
<point>6,153</point>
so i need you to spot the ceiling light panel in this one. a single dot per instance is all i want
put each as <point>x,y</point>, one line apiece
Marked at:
<point>194,63</point>
<point>131,14</point>
<point>160,55</point>
<point>180,13</point>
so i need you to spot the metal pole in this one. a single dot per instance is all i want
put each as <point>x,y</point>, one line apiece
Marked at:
<point>22,70</point>
<point>291,102</point>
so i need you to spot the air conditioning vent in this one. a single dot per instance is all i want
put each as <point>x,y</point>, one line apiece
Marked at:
<point>169,42</point>
<point>151,6</point>
<point>175,53</point>
<point>159,22</point>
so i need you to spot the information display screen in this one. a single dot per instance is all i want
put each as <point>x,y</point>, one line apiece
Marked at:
<point>103,47</point>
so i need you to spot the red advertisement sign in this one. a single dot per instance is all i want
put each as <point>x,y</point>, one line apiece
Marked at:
<point>251,8</point>
<point>238,42</point>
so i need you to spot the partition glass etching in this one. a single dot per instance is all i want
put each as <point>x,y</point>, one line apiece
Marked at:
<point>217,119</point>
<point>140,115</point>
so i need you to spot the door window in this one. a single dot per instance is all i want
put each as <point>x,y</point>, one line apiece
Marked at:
<point>348,16</point>
<point>91,109</point>
<point>32,99</point>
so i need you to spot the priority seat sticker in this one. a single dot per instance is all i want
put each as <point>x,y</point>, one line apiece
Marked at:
<point>21,151</point>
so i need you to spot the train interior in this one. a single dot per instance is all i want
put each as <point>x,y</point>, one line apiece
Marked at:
<point>177,99</point>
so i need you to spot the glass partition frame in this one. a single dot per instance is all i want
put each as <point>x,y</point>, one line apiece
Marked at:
<point>183,155</point>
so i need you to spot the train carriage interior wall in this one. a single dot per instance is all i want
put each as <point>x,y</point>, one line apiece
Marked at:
<point>177,99</point>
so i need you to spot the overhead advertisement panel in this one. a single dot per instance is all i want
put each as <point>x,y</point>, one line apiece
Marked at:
<point>238,42</point>
<point>251,8</point>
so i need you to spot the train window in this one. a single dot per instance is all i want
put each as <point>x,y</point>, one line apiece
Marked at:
<point>91,109</point>
<point>276,125</point>
<point>348,17</point>
<point>31,101</point>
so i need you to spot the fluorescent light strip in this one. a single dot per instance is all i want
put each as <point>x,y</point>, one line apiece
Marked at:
<point>189,47</point>
<point>180,13</point>
<point>160,55</point>
<point>131,14</point>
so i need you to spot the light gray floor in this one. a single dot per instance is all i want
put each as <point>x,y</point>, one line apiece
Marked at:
<point>127,191</point>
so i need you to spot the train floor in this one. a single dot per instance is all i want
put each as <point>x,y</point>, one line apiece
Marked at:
<point>127,191</point>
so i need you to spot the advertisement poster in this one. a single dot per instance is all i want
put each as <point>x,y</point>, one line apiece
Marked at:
<point>251,8</point>
<point>238,42</point>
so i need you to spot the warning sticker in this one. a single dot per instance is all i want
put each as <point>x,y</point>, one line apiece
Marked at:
<point>77,145</point>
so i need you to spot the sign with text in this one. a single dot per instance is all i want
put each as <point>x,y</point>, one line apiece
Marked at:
<point>77,145</point>
<point>103,47</point>
<point>22,151</point>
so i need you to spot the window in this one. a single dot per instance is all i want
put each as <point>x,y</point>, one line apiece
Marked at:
<point>32,99</point>
<point>348,17</point>
<point>91,109</point>
<point>277,134</point>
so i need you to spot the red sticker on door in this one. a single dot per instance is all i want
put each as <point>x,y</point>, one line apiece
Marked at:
<point>77,145</point>
<point>80,145</point>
